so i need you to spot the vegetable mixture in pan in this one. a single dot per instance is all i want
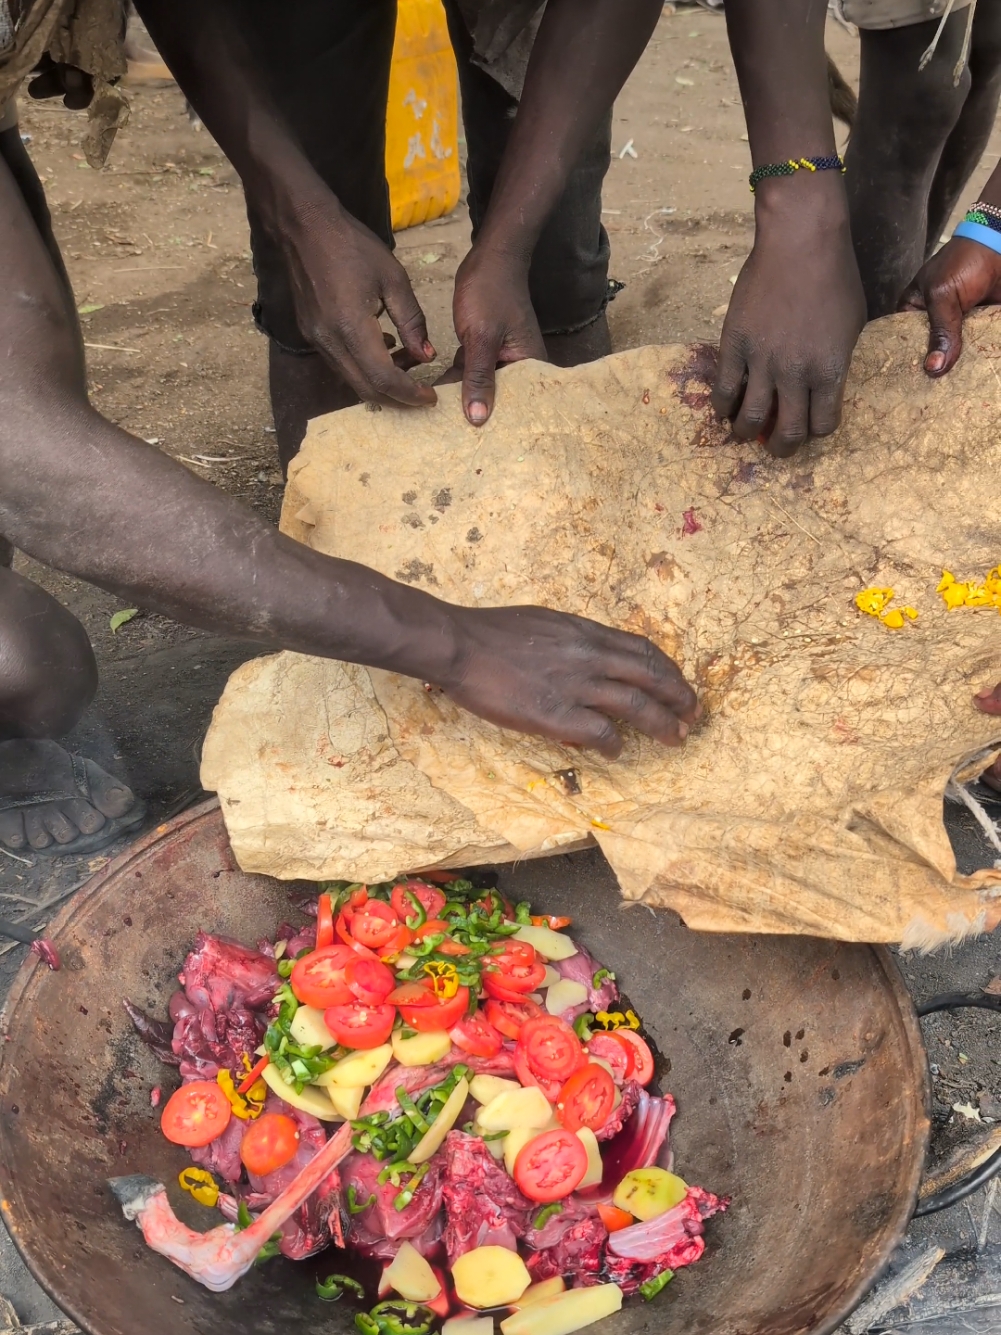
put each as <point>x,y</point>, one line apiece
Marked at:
<point>499,1147</point>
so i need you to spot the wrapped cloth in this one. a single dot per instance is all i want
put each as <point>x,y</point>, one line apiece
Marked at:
<point>810,798</point>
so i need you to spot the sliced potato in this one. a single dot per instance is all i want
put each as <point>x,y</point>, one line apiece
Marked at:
<point>411,1276</point>
<point>549,944</point>
<point>595,1168</point>
<point>485,1088</point>
<point>490,1277</point>
<point>432,1140</point>
<point>421,1049</point>
<point>308,1029</point>
<point>565,1312</point>
<point>312,1100</point>
<point>346,1101</point>
<point>404,961</point>
<point>359,1069</point>
<point>516,1108</point>
<point>600,1061</point>
<point>545,1288</point>
<point>564,994</point>
<point>553,976</point>
<point>649,1192</point>
<point>468,1325</point>
<point>514,1142</point>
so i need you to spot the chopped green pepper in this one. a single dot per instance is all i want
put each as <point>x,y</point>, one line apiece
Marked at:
<point>415,923</point>
<point>582,1027</point>
<point>332,1288</point>
<point>356,1207</point>
<point>546,1213</point>
<point>402,1318</point>
<point>653,1286</point>
<point>600,977</point>
<point>366,1324</point>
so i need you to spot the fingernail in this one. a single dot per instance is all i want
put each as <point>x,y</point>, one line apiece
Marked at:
<point>682,730</point>
<point>477,412</point>
<point>429,351</point>
<point>934,362</point>
<point>699,711</point>
<point>986,693</point>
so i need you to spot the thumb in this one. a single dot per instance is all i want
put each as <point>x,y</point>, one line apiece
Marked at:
<point>945,336</point>
<point>404,310</point>
<point>988,701</point>
<point>480,353</point>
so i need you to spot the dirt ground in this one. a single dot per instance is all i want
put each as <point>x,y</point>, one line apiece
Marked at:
<point>157,248</point>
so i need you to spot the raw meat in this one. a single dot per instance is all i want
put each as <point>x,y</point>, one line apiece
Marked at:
<point>618,1117</point>
<point>210,1041</point>
<point>379,1230</point>
<point>483,1207</point>
<point>570,1243</point>
<point>221,973</point>
<point>581,968</point>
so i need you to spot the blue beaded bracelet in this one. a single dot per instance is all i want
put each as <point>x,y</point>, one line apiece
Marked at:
<point>978,232</point>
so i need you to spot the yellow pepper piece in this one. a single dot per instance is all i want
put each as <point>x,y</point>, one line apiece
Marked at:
<point>893,620</point>
<point>616,1020</point>
<point>248,1107</point>
<point>873,601</point>
<point>444,979</point>
<point>200,1184</point>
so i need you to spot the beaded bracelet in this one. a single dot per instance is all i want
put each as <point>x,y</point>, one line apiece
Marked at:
<point>986,215</point>
<point>792,165</point>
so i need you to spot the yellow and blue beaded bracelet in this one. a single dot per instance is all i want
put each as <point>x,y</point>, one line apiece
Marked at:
<point>982,223</point>
<point>830,163</point>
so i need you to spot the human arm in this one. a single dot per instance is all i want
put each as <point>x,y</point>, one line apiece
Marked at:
<point>583,53</point>
<point>86,497</point>
<point>962,275</point>
<point>798,307</point>
<point>342,274</point>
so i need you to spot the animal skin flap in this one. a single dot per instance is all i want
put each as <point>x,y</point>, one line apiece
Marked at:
<point>810,798</point>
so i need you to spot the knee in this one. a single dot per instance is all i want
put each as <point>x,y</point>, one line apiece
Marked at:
<point>48,673</point>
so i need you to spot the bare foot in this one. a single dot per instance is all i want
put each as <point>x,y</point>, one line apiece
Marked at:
<point>52,801</point>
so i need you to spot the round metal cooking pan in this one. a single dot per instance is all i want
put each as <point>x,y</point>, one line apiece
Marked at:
<point>797,1064</point>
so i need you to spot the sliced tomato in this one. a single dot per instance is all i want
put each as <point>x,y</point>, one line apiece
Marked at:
<point>517,968</point>
<point>370,981</point>
<point>195,1114</point>
<point>269,1144</point>
<point>360,1027</point>
<point>319,980</point>
<point>551,920</point>
<point>551,1166</point>
<point>474,1034</point>
<point>324,922</point>
<point>452,947</point>
<point>509,1016</point>
<point>412,994</point>
<point>430,898</point>
<point>433,927</point>
<point>613,1218</point>
<point>641,1064</point>
<point>618,1056</point>
<point>553,1049</point>
<point>442,1016</point>
<point>586,1099</point>
<point>494,986</point>
<point>524,1072</point>
<point>374,924</point>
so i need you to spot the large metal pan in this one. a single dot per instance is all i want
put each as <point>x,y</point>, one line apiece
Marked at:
<point>797,1064</point>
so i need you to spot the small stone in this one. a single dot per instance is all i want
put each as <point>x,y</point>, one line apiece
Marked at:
<point>990,1105</point>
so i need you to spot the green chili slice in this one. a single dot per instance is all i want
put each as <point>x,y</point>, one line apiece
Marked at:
<point>546,1213</point>
<point>402,1318</point>
<point>600,977</point>
<point>411,1109</point>
<point>653,1286</point>
<point>582,1027</point>
<point>415,923</point>
<point>332,1288</point>
<point>354,1205</point>
<point>366,1324</point>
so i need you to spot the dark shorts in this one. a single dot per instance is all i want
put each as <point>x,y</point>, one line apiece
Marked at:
<point>328,66</point>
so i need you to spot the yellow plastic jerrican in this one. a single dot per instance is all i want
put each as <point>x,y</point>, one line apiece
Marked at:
<point>422,146</point>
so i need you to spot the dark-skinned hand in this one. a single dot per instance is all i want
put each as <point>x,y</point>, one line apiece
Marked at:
<point>962,275</point>
<point>495,323</point>
<point>568,678</point>
<point>796,313</point>
<point>343,277</point>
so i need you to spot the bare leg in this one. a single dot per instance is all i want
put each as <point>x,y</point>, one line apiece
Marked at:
<point>302,386</point>
<point>965,146</point>
<point>48,677</point>
<point>903,123</point>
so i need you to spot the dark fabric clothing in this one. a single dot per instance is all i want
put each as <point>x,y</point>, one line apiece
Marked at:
<point>324,56</point>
